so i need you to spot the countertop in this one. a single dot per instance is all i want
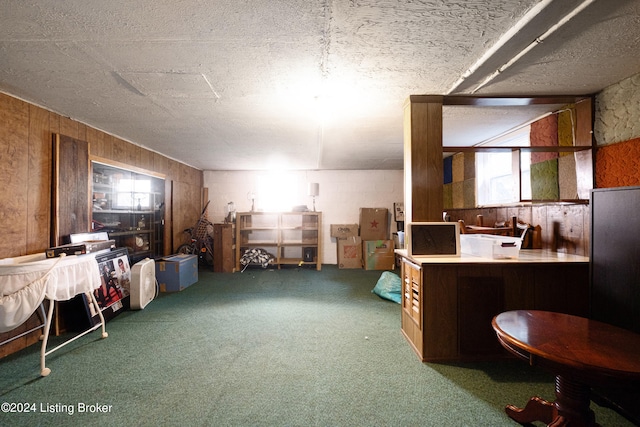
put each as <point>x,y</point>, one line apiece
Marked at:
<point>526,256</point>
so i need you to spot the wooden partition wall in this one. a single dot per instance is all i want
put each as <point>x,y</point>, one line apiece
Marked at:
<point>423,146</point>
<point>423,169</point>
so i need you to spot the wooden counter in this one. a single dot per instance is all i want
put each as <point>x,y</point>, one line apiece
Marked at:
<point>448,303</point>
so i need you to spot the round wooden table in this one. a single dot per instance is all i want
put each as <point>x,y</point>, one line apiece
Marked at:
<point>580,352</point>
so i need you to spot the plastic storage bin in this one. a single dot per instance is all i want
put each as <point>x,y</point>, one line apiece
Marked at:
<point>490,246</point>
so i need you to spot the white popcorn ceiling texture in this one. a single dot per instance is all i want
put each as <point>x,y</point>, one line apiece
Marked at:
<point>223,85</point>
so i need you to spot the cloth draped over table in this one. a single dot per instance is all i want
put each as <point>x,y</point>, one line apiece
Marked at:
<point>26,281</point>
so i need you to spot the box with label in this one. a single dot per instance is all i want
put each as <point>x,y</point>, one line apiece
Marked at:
<point>341,231</point>
<point>374,224</point>
<point>176,272</point>
<point>350,252</point>
<point>378,255</point>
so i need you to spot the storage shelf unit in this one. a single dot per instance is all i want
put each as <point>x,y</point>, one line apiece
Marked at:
<point>129,206</point>
<point>293,238</point>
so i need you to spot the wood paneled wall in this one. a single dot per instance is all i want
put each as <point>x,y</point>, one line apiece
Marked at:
<point>564,227</point>
<point>26,172</point>
<point>26,160</point>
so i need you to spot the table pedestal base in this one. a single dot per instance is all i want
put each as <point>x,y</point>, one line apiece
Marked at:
<point>571,407</point>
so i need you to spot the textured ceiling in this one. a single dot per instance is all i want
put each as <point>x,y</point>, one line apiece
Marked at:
<point>305,84</point>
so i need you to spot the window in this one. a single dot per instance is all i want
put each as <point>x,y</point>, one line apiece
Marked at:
<point>133,193</point>
<point>504,176</point>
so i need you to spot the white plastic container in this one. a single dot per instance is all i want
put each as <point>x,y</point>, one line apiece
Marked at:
<point>490,246</point>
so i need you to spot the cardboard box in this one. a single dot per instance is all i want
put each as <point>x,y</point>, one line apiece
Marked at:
<point>350,252</point>
<point>342,231</point>
<point>176,272</point>
<point>374,224</point>
<point>379,255</point>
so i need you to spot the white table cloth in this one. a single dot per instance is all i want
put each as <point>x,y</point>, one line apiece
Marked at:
<point>27,280</point>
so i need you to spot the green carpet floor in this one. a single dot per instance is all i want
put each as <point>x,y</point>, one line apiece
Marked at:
<point>291,347</point>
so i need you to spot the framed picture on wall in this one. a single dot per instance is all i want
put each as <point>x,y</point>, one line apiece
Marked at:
<point>398,211</point>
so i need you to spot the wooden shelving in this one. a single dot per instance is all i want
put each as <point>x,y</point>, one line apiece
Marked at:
<point>293,238</point>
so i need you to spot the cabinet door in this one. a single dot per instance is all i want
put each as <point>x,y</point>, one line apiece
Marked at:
<point>412,291</point>
<point>411,312</point>
<point>480,298</point>
<point>440,306</point>
<point>70,189</point>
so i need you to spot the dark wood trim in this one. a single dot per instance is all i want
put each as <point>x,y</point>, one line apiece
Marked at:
<point>508,101</point>
<point>539,149</point>
<point>125,166</point>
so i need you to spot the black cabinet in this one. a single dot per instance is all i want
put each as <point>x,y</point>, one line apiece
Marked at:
<point>615,245</point>
<point>615,289</point>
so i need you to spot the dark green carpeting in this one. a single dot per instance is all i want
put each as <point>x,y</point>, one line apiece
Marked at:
<point>291,347</point>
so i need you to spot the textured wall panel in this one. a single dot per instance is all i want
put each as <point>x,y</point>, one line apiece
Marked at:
<point>566,121</point>
<point>469,165</point>
<point>617,112</point>
<point>458,167</point>
<point>544,180</point>
<point>447,196</point>
<point>469,193</point>
<point>457,194</point>
<point>567,181</point>
<point>618,165</point>
<point>544,133</point>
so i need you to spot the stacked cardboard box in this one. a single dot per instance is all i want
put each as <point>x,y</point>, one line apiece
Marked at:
<point>366,244</point>
<point>374,224</point>
<point>378,255</point>
<point>377,249</point>
<point>349,245</point>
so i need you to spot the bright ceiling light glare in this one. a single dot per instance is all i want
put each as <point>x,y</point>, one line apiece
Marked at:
<point>277,164</point>
<point>277,190</point>
<point>324,100</point>
<point>296,96</point>
<point>321,110</point>
<point>345,94</point>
